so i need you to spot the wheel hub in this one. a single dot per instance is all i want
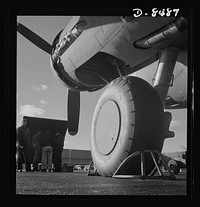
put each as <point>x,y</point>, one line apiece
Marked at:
<point>108,127</point>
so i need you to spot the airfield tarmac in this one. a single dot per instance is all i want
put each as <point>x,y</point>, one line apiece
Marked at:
<point>78,183</point>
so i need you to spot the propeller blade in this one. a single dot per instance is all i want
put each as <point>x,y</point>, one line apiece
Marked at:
<point>73,111</point>
<point>34,38</point>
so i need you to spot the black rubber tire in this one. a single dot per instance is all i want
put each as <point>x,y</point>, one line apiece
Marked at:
<point>141,125</point>
<point>174,166</point>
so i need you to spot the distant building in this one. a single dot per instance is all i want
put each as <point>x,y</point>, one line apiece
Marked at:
<point>76,157</point>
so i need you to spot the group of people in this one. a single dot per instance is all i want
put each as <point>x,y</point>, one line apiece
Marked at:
<point>44,146</point>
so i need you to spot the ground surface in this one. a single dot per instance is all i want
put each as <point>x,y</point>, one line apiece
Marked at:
<point>78,183</point>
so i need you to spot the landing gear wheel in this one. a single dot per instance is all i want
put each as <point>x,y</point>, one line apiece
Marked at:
<point>128,117</point>
<point>174,166</point>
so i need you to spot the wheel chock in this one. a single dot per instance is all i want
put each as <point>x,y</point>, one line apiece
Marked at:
<point>157,169</point>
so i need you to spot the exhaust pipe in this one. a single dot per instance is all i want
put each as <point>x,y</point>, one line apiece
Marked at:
<point>162,35</point>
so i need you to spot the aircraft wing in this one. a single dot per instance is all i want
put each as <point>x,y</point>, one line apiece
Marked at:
<point>96,21</point>
<point>91,22</point>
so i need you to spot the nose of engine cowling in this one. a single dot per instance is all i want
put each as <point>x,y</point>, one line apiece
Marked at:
<point>62,76</point>
<point>60,45</point>
<point>63,40</point>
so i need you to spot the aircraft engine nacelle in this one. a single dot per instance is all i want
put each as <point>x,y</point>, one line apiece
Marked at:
<point>94,74</point>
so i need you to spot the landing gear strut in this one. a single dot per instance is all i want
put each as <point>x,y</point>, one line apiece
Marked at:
<point>162,81</point>
<point>164,72</point>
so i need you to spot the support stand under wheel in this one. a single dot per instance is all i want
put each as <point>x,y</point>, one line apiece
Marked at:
<point>152,174</point>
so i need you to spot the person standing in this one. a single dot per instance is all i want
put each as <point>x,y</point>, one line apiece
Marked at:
<point>37,150</point>
<point>58,143</point>
<point>19,156</point>
<point>46,142</point>
<point>24,147</point>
